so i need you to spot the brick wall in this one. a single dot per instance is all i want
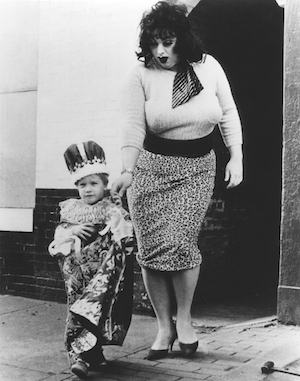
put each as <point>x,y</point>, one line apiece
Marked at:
<point>28,270</point>
<point>234,246</point>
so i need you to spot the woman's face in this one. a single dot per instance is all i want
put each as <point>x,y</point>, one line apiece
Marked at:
<point>163,52</point>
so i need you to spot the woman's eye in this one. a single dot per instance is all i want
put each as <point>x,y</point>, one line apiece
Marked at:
<point>152,43</point>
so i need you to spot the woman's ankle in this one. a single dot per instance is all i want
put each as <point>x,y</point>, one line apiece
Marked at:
<point>186,332</point>
<point>164,337</point>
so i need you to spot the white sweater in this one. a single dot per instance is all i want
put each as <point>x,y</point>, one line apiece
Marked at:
<point>147,103</point>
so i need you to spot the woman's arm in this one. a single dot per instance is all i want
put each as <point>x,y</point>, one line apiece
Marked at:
<point>133,109</point>
<point>133,128</point>
<point>230,128</point>
<point>129,158</point>
<point>230,124</point>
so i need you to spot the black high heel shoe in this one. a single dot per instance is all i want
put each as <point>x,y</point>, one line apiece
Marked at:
<point>188,350</point>
<point>156,354</point>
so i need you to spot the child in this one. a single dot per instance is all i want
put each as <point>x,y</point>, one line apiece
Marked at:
<point>94,247</point>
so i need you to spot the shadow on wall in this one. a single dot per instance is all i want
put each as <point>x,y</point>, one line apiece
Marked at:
<point>247,39</point>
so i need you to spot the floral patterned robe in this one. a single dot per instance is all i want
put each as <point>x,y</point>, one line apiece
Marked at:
<point>98,276</point>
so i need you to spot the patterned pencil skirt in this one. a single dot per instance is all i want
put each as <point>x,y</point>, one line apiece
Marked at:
<point>168,200</point>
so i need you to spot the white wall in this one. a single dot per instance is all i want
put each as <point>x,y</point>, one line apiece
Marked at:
<point>18,85</point>
<point>85,47</point>
<point>18,109</point>
<point>19,43</point>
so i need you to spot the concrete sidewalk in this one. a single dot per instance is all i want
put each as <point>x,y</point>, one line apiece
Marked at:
<point>31,333</point>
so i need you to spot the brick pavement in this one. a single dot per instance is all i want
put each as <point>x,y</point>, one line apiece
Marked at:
<point>222,351</point>
<point>32,349</point>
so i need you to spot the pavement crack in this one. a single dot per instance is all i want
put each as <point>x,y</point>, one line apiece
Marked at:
<point>20,310</point>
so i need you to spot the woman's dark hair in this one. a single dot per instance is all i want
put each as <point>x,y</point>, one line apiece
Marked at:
<point>165,20</point>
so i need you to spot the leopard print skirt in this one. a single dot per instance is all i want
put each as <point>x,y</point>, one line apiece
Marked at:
<point>168,200</point>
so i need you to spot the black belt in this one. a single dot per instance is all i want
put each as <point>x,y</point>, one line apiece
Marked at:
<point>172,147</point>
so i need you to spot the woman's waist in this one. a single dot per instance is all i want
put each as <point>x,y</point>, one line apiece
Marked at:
<point>171,144</point>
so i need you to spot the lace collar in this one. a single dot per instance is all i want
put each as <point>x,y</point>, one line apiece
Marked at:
<point>76,212</point>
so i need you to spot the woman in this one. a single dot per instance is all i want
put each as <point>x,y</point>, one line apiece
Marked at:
<point>172,102</point>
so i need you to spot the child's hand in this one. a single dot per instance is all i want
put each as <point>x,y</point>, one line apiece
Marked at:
<point>83,231</point>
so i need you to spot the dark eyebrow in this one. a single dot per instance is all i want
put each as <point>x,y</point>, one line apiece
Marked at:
<point>154,39</point>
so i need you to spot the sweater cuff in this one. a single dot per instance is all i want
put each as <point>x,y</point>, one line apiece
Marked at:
<point>132,144</point>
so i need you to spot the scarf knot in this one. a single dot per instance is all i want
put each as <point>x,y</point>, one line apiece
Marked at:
<point>186,85</point>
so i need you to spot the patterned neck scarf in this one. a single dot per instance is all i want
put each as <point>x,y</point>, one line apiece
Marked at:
<point>186,85</point>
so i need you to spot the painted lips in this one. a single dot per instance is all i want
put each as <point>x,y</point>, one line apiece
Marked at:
<point>163,60</point>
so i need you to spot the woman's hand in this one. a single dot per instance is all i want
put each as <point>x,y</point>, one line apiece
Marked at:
<point>234,168</point>
<point>121,184</point>
<point>234,173</point>
<point>129,158</point>
<point>83,231</point>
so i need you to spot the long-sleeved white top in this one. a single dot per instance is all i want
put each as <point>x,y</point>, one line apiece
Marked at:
<point>147,105</point>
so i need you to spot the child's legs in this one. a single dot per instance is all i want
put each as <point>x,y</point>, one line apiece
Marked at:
<point>72,330</point>
<point>74,284</point>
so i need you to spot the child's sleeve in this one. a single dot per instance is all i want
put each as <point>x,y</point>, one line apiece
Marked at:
<point>64,240</point>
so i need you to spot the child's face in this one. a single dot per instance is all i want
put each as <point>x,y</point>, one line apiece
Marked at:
<point>91,189</point>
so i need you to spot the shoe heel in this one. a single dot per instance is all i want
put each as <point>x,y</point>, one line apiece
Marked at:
<point>154,354</point>
<point>175,337</point>
<point>188,350</point>
<point>173,341</point>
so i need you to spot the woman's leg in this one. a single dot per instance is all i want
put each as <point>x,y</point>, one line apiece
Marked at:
<point>184,283</point>
<point>158,288</point>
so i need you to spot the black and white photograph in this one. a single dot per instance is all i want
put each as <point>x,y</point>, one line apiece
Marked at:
<point>150,190</point>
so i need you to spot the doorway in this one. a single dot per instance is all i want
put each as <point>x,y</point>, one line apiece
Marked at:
<point>246,37</point>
